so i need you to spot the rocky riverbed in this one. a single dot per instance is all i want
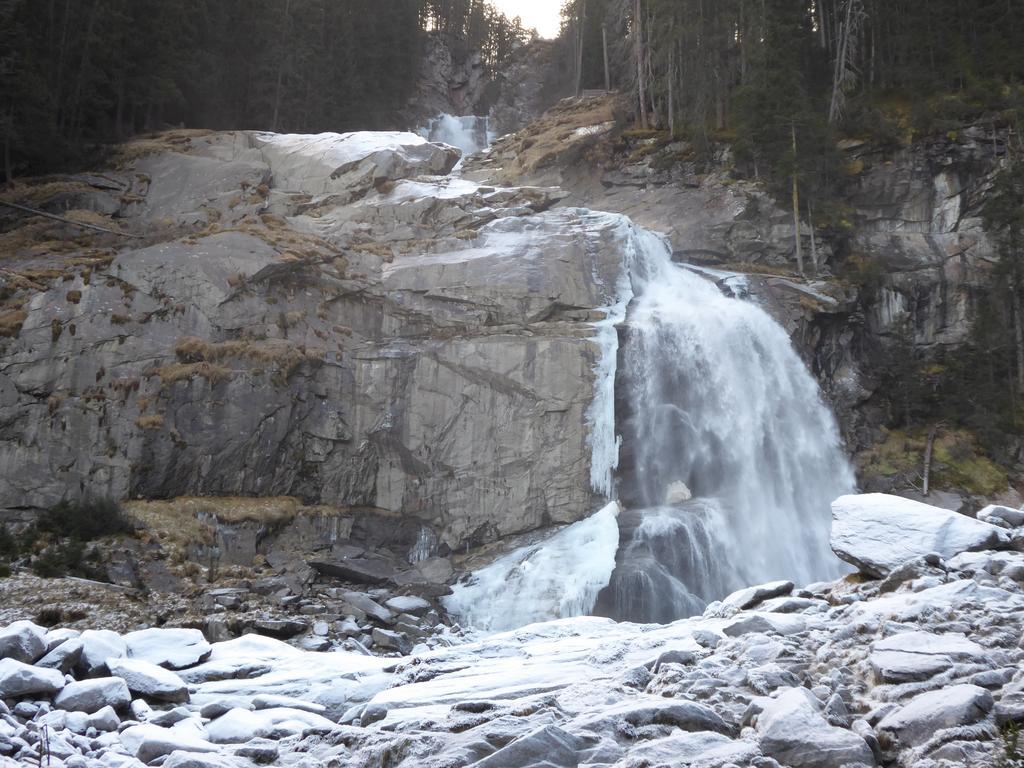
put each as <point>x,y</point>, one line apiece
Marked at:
<point>913,660</point>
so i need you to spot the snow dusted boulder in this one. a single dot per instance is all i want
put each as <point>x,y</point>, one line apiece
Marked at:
<point>179,759</point>
<point>877,532</point>
<point>92,695</point>
<point>792,729</point>
<point>762,623</point>
<point>915,656</point>
<point>1004,517</point>
<point>22,641</point>
<point>149,680</point>
<point>98,645</point>
<point>170,648</point>
<point>417,606</point>
<point>546,747</point>
<point>64,657</point>
<point>148,742</point>
<point>20,679</point>
<point>350,164</point>
<point>915,723</point>
<point>749,597</point>
<point>241,725</point>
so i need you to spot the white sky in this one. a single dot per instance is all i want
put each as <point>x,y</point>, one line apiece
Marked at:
<point>542,14</point>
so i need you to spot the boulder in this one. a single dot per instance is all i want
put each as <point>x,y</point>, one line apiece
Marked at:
<point>877,532</point>
<point>761,623</point>
<point>148,742</point>
<point>92,695</point>
<point>391,641</point>
<point>149,680</point>
<point>98,645</point>
<point>281,629</point>
<point>190,759</point>
<point>171,648</point>
<point>1006,517</point>
<point>270,701</point>
<point>546,747</point>
<point>20,679</point>
<point>368,606</point>
<point>64,657</point>
<point>677,493</point>
<point>417,606</point>
<point>916,656</point>
<point>792,730</point>
<point>22,641</point>
<point>917,721</point>
<point>743,599</point>
<point>359,570</point>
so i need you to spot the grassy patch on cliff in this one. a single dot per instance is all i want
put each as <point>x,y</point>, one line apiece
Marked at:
<point>186,521</point>
<point>957,461</point>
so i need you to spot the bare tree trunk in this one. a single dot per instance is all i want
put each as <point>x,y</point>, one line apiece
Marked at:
<point>281,62</point>
<point>928,459</point>
<point>579,47</point>
<point>8,171</point>
<point>814,244</point>
<point>796,208</point>
<point>842,71</point>
<point>604,42</point>
<point>1018,330</point>
<point>639,45</point>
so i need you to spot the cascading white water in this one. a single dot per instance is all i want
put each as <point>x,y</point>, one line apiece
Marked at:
<point>712,394</point>
<point>706,391</point>
<point>469,133</point>
<point>556,578</point>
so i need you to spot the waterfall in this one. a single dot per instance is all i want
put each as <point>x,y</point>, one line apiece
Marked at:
<point>713,400</point>
<point>713,434</point>
<point>467,132</point>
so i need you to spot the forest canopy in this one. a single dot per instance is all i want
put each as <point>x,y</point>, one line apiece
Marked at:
<point>76,74</point>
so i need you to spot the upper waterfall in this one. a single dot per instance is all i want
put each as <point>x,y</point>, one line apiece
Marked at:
<point>469,133</point>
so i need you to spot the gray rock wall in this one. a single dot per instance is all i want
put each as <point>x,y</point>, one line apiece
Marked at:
<point>326,330</point>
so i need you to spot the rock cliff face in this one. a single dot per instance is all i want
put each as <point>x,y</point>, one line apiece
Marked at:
<point>306,319</point>
<point>536,75</point>
<point>912,221</point>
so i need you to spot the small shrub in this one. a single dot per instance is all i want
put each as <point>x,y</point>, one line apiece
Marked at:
<point>86,520</point>
<point>5,570</point>
<point>9,547</point>
<point>49,617</point>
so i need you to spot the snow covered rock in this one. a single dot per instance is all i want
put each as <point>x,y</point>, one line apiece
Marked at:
<point>917,721</point>
<point>98,645</point>
<point>1007,517</point>
<point>20,679</point>
<point>417,606</point>
<point>751,596</point>
<point>546,747</point>
<point>149,680</point>
<point>179,759</point>
<point>877,532</point>
<point>171,648</point>
<point>64,657</point>
<point>915,656</point>
<point>92,695</point>
<point>350,163</point>
<point>792,729</point>
<point>242,725</point>
<point>148,742</point>
<point>22,641</point>
<point>761,623</point>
